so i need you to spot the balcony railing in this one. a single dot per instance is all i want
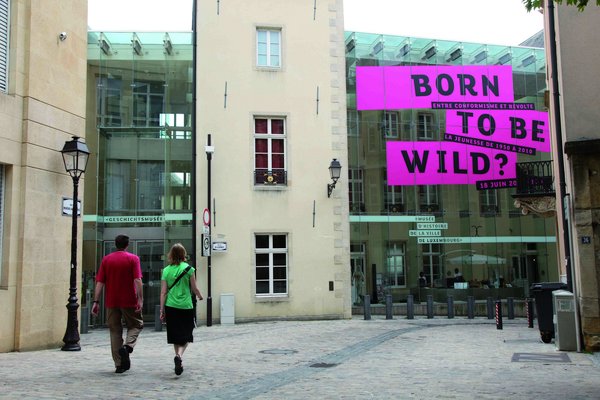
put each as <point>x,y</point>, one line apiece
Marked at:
<point>270,177</point>
<point>535,179</point>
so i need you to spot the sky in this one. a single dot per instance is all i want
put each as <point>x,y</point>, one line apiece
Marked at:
<point>504,22</point>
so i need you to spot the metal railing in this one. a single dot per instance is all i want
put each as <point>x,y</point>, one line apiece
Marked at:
<point>535,179</point>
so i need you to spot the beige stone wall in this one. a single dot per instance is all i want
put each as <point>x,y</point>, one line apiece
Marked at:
<point>579,91</point>
<point>45,106</point>
<point>313,61</point>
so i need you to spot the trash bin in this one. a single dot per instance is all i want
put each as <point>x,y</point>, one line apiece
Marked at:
<point>542,293</point>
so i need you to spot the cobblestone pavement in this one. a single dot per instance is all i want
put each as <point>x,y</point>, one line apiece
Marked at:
<point>423,358</point>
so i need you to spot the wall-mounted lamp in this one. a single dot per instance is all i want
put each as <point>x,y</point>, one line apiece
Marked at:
<point>335,169</point>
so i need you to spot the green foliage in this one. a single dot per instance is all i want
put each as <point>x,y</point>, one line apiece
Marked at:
<point>580,4</point>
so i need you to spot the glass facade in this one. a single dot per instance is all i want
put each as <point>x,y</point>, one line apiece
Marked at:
<point>139,131</point>
<point>496,249</point>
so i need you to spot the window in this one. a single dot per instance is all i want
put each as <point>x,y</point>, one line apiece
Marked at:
<point>269,151</point>
<point>271,260</point>
<point>358,260</point>
<point>171,122</point>
<point>353,123</point>
<point>148,99</point>
<point>268,48</point>
<point>108,101</point>
<point>4,43</point>
<point>1,212</point>
<point>390,126</point>
<point>429,198</point>
<point>118,185</point>
<point>431,264</point>
<point>150,185</point>
<point>356,190</point>
<point>393,196</point>
<point>396,273</point>
<point>425,126</point>
<point>488,202</point>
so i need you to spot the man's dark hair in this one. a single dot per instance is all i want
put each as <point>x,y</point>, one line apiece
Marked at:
<point>122,241</point>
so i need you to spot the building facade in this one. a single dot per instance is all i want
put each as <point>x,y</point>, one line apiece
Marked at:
<point>42,84</point>
<point>228,132</point>
<point>271,97</point>
<point>574,93</point>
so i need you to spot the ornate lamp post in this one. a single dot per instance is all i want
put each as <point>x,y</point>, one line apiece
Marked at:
<point>335,169</point>
<point>75,156</point>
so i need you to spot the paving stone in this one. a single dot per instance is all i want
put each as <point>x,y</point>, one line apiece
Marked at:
<point>341,359</point>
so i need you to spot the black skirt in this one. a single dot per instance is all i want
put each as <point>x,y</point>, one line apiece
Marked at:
<point>180,325</point>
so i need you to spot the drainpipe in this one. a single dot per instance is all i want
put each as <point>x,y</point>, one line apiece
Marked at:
<point>559,140</point>
<point>194,142</point>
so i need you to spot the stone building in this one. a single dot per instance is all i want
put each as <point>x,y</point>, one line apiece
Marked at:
<point>42,105</point>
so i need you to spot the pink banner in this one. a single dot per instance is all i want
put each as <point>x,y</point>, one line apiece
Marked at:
<point>444,163</point>
<point>388,88</point>
<point>517,128</point>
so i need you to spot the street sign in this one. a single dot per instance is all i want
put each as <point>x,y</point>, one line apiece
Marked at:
<point>219,246</point>
<point>206,230</point>
<point>206,217</point>
<point>67,207</point>
<point>205,246</point>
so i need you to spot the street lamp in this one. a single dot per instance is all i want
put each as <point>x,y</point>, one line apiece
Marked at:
<point>335,169</point>
<point>209,152</point>
<point>75,156</point>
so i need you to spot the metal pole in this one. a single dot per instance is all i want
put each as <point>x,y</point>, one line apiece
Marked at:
<point>71,338</point>
<point>471,307</point>
<point>157,321</point>
<point>498,314</point>
<point>429,306</point>
<point>388,307</point>
<point>529,312</point>
<point>410,307</point>
<point>510,304</point>
<point>367,304</point>
<point>209,277</point>
<point>450,302</point>
<point>490,308</point>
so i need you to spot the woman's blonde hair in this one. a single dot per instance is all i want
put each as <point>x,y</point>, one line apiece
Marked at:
<point>177,254</point>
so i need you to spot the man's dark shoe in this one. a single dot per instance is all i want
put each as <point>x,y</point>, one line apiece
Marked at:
<point>125,362</point>
<point>120,370</point>
<point>178,366</point>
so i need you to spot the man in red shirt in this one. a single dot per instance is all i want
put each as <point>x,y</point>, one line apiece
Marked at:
<point>121,275</point>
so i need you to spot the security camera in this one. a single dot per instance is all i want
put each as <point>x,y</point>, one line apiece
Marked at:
<point>62,36</point>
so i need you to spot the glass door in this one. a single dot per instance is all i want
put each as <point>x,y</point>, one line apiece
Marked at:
<point>152,259</point>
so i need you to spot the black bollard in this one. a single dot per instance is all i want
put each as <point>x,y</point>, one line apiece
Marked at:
<point>410,307</point>
<point>367,301</point>
<point>529,311</point>
<point>157,321</point>
<point>450,307</point>
<point>429,306</point>
<point>85,319</point>
<point>498,314</point>
<point>510,304</point>
<point>490,308</point>
<point>388,306</point>
<point>470,307</point>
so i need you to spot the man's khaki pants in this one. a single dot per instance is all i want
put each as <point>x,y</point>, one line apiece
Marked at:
<point>133,322</point>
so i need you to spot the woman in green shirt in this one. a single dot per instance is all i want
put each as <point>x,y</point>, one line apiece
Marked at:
<point>176,308</point>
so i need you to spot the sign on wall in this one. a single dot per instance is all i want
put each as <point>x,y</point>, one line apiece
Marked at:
<point>485,129</point>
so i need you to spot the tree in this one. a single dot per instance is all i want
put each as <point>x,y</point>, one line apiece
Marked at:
<point>581,4</point>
